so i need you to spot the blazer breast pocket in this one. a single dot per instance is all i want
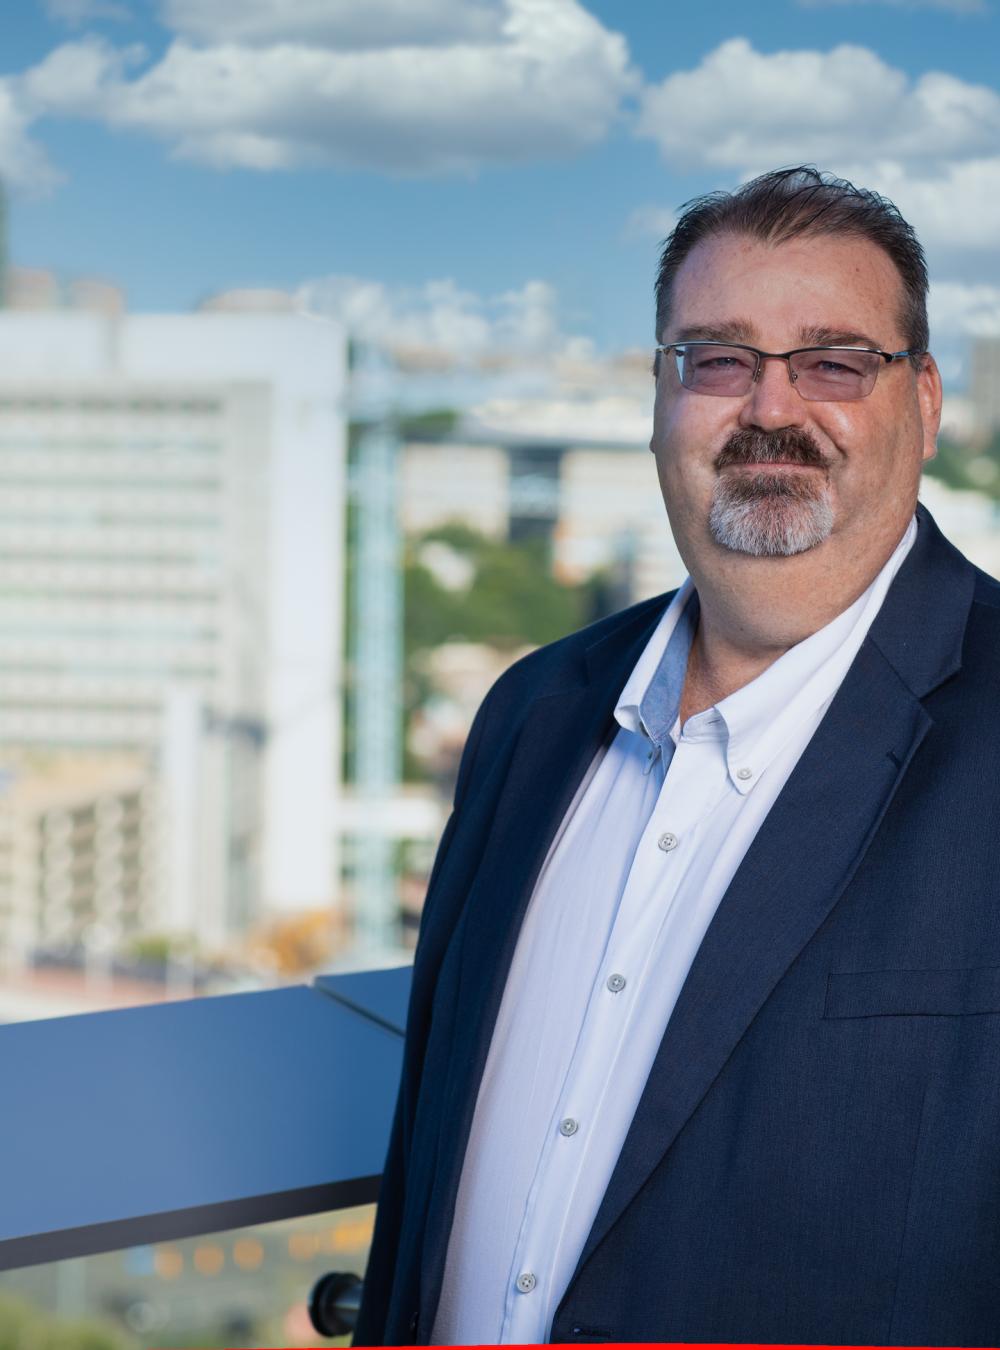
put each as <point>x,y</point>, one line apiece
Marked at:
<point>913,993</point>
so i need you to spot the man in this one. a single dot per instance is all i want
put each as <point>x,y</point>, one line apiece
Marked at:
<point>704,1038</point>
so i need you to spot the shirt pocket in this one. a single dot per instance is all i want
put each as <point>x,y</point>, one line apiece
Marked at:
<point>913,993</point>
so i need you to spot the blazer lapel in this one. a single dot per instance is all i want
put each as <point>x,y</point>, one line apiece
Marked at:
<point>806,851</point>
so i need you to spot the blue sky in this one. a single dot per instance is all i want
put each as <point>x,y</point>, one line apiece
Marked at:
<point>489,172</point>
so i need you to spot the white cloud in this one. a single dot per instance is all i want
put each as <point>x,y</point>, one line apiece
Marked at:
<point>650,222</point>
<point>547,83</point>
<point>442,319</point>
<point>344,24</point>
<point>957,309</point>
<point>23,162</point>
<point>745,110</point>
<point>77,78</point>
<point>930,144</point>
<point>956,206</point>
<point>527,320</point>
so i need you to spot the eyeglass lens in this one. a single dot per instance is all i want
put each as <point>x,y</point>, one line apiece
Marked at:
<point>818,373</point>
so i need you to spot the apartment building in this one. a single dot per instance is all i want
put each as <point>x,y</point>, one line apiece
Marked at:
<point>171,505</point>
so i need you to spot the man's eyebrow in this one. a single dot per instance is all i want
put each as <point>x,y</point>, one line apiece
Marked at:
<point>836,337</point>
<point>733,330</point>
<point>742,331</point>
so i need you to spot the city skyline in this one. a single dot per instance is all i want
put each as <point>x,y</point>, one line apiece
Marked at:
<point>485,175</point>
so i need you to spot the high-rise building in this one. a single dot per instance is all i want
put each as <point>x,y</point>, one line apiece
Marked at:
<point>984,387</point>
<point>170,591</point>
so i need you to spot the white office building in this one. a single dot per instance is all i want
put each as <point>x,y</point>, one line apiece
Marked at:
<point>171,555</point>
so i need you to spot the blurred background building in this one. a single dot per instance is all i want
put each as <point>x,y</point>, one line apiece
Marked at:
<point>984,388</point>
<point>171,573</point>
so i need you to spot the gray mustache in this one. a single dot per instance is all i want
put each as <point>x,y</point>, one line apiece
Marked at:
<point>759,447</point>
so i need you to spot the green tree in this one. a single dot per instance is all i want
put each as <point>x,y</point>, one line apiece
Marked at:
<point>512,600</point>
<point>23,1327</point>
<point>967,467</point>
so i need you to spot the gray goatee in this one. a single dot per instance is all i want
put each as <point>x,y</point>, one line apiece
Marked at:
<point>770,515</point>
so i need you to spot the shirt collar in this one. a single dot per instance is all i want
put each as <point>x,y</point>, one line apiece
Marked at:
<point>757,720</point>
<point>654,667</point>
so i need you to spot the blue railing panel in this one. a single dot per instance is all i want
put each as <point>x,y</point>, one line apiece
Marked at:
<point>184,1118</point>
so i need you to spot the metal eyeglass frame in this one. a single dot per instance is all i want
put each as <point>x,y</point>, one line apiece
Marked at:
<point>761,357</point>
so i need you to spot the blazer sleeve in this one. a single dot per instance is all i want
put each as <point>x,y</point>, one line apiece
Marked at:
<point>370,1328</point>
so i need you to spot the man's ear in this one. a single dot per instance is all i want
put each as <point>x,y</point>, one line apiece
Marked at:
<point>657,357</point>
<point>930,395</point>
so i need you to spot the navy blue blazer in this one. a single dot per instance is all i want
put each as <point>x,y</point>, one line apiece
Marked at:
<point>816,1154</point>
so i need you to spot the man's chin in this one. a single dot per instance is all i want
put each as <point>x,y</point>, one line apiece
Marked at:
<point>770,524</point>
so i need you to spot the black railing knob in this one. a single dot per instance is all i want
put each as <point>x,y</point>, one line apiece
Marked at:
<point>334,1303</point>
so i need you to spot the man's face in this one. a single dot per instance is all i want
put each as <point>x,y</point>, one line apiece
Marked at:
<point>770,473</point>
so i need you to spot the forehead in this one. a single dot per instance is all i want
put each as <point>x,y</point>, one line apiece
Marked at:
<point>777,292</point>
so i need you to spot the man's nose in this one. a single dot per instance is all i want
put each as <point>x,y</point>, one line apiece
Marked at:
<point>773,400</point>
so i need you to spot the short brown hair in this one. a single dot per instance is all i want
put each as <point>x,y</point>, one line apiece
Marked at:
<point>788,203</point>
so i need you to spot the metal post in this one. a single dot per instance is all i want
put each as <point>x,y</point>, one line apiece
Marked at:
<point>378,676</point>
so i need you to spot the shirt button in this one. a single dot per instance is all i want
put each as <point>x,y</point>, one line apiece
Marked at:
<point>616,983</point>
<point>667,842</point>
<point>526,1282</point>
<point>744,774</point>
<point>568,1126</point>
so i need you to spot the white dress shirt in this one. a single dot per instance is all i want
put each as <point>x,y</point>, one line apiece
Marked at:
<point>634,876</point>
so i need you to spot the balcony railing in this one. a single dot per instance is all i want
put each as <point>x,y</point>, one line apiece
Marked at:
<point>164,1122</point>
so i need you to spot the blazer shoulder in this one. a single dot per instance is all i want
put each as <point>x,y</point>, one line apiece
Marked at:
<point>981,647</point>
<point>987,591</point>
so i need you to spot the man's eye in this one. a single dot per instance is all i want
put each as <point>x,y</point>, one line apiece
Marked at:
<point>727,361</point>
<point>717,363</point>
<point>833,367</point>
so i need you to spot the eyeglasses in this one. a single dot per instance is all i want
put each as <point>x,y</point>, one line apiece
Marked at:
<point>819,374</point>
